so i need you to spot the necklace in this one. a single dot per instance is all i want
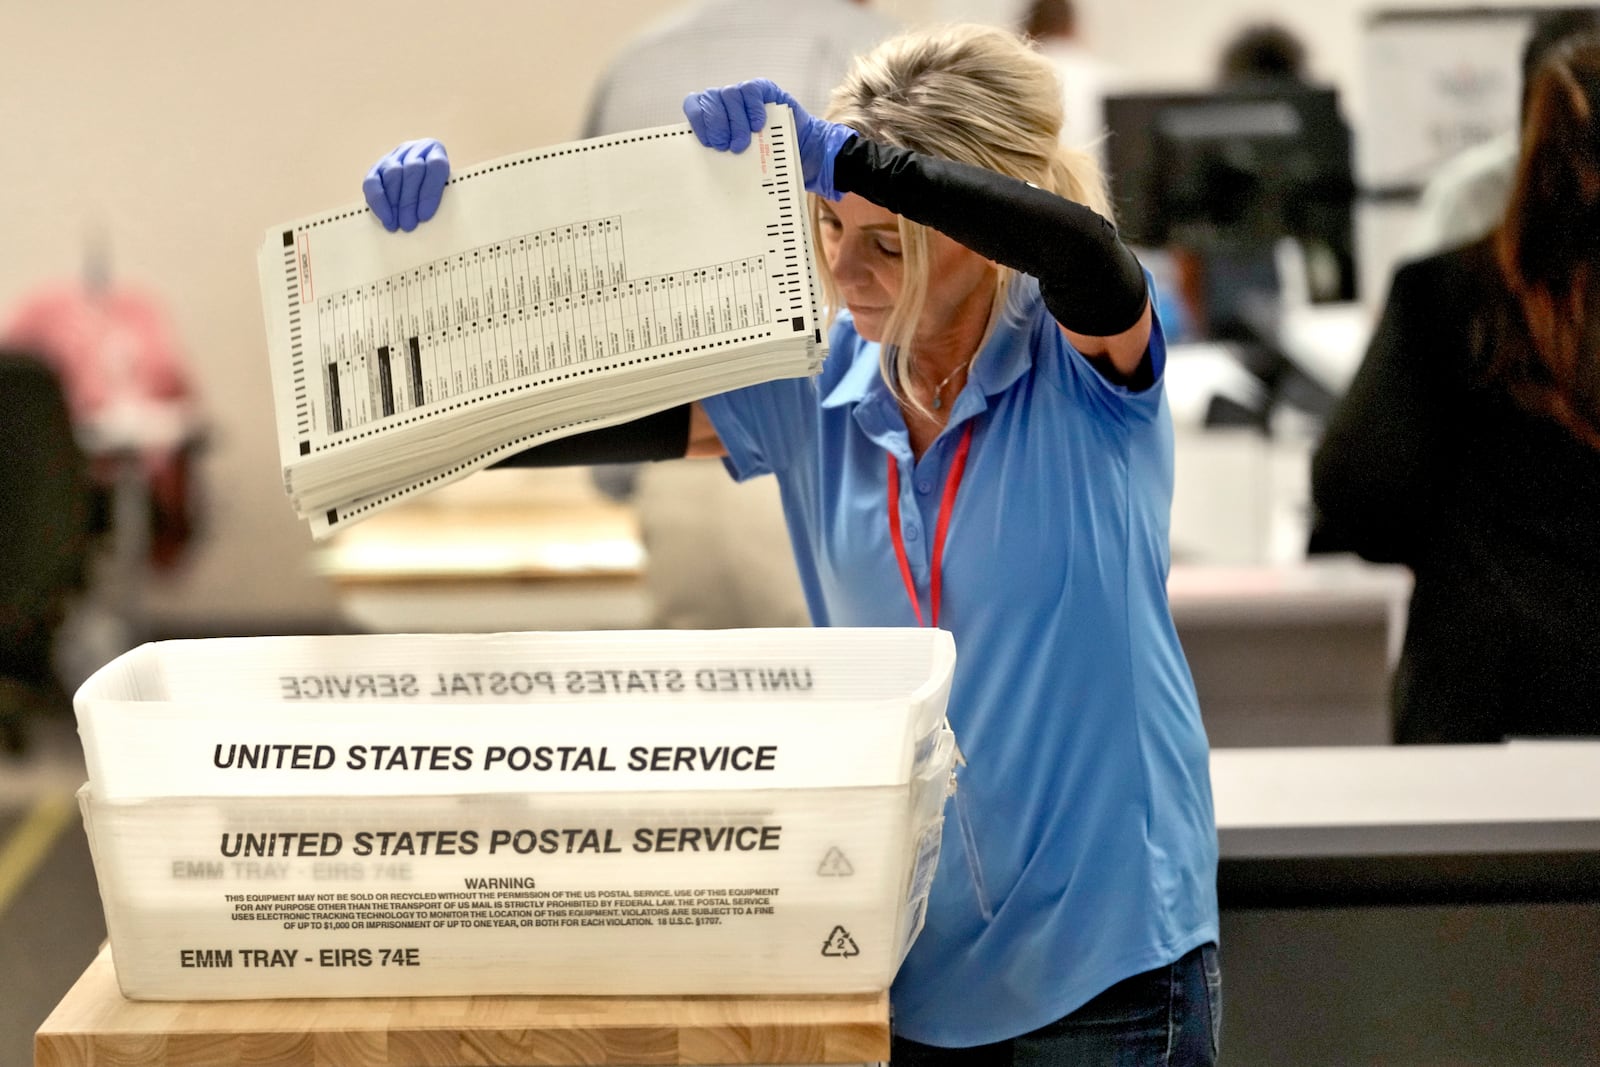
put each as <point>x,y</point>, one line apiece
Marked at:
<point>938,390</point>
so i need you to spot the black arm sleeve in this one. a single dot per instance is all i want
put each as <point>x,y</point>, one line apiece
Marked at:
<point>664,435</point>
<point>1090,281</point>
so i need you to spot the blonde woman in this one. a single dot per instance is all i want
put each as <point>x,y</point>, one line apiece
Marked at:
<point>988,449</point>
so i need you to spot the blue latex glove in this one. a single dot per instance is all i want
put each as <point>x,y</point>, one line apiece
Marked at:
<point>725,118</point>
<point>404,187</point>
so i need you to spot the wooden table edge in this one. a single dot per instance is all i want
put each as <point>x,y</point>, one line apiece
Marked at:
<point>94,1025</point>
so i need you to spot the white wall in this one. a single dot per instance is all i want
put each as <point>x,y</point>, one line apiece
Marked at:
<point>186,128</point>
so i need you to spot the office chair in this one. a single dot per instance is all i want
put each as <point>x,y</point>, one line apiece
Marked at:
<point>45,534</point>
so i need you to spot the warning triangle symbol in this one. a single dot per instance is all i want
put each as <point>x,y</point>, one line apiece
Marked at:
<point>834,865</point>
<point>840,944</point>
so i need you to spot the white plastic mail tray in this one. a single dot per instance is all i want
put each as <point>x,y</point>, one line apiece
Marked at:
<point>682,892</point>
<point>419,714</point>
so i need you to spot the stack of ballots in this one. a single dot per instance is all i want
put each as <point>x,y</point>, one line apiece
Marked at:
<point>650,812</point>
<point>556,291</point>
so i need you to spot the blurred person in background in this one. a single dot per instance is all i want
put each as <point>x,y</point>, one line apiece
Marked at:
<point>1085,77</point>
<point>1262,53</point>
<point>1256,188</point>
<point>804,44</point>
<point>1466,197</point>
<point>134,415</point>
<point>45,541</point>
<point>129,390</point>
<point>98,487</point>
<point>714,546</point>
<point>1226,246</point>
<point>1468,446</point>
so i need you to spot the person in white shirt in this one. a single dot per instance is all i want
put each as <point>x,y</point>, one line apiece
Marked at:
<point>718,549</point>
<point>1085,77</point>
<point>1467,195</point>
<point>805,45</point>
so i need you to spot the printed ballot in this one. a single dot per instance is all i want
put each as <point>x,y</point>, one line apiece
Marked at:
<point>653,812</point>
<point>556,291</point>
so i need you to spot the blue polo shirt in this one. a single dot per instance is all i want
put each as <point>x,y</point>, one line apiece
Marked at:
<point>1080,848</point>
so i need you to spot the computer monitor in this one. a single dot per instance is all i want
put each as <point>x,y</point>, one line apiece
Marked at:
<point>1237,170</point>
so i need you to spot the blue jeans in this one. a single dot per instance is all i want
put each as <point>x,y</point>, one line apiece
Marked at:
<point>1168,1017</point>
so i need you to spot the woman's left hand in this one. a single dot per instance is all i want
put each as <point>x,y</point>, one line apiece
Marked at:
<point>726,118</point>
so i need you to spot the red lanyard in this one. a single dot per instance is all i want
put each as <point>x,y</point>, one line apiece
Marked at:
<point>952,483</point>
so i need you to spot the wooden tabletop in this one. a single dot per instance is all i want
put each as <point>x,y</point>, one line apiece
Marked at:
<point>94,1026</point>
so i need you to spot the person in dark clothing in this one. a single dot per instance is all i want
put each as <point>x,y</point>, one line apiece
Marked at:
<point>1262,51</point>
<point>1468,447</point>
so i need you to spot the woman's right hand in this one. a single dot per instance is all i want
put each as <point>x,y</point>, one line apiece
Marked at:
<point>405,186</point>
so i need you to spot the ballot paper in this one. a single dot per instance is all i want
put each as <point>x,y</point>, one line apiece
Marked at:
<point>556,291</point>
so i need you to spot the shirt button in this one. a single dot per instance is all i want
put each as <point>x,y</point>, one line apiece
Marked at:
<point>912,533</point>
<point>924,487</point>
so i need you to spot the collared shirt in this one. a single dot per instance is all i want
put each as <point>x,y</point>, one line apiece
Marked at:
<point>1080,848</point>
<point>806,46</point>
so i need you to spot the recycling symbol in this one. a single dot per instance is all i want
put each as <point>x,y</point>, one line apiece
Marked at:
<point>835,865</point>
<point>840,944</point>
